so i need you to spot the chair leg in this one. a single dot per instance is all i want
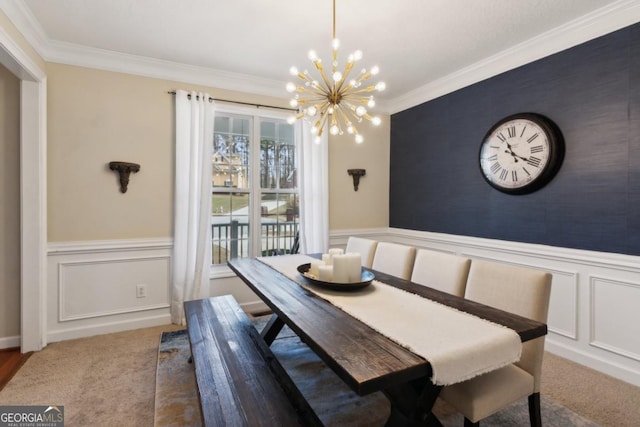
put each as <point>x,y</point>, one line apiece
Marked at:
<point>469,423</point>
<point>535,416</point>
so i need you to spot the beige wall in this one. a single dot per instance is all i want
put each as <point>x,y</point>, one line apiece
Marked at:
<point>95,117</point>
<point>369,206</point>
<point>9,204</point>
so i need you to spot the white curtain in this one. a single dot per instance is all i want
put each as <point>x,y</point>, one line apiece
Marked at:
<point>314,192</point>
<point>192,205</point>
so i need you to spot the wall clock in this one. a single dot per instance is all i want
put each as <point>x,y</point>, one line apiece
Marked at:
<point>521,153</point>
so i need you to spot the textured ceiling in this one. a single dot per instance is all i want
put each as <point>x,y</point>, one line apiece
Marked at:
<point>414,42</point>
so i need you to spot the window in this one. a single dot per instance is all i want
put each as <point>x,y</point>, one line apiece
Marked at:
<point>254,185</point>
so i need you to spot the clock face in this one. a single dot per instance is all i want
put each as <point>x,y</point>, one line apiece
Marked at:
<point>521,153</point>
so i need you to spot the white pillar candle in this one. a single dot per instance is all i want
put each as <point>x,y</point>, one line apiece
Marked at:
<point>354,267</point>
<point>341,268</point>
<point>325,273</point>
<point>326,259</point>
<point>313,268</point>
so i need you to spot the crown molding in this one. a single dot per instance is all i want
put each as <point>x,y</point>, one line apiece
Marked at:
<point>610,18</point>
<point>73,54</point>
<point>603,21</point>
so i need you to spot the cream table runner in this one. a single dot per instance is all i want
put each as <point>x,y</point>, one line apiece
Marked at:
<point>458,345</point>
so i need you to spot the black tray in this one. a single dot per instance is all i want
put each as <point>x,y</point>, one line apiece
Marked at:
<point>367,277</point>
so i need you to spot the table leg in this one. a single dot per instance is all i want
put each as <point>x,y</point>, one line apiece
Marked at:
<point>411,404</point>
<point>272,329</point>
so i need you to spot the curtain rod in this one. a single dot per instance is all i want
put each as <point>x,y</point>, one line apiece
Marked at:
<point>240,102</point>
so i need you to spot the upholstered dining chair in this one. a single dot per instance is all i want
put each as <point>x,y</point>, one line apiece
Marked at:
<point>394,259</point>
<point>521,291</point>
<point>442,271</point>
<point>365,247</point>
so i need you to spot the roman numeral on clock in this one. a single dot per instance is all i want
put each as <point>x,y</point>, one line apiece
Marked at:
<point>495,167</point>
<point>534,161</point>
<point>503,174</point>
<point>537,149</point>
<point>512,131</point>
<point>532,137</point>
<point>514,176</point>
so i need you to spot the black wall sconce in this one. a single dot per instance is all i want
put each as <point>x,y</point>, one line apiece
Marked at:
<point>124,169</point>
<point>356,174</point>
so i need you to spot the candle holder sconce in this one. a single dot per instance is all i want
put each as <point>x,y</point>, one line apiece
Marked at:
<point>124,169</point>
<point>356,174</point>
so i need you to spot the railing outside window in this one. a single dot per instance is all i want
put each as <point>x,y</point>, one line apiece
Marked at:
<point>232,240</point>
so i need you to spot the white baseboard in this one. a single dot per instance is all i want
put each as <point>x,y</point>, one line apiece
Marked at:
<point>109,327</point>
<point>10,342</point>
<point>599,364</point>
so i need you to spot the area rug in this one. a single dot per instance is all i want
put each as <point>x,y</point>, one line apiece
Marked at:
<point>176,400</point>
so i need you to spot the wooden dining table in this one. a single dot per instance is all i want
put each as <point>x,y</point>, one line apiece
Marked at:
<point>366,360</point>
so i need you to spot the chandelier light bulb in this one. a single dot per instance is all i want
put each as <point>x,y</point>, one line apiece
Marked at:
<point>375,70</point>
<point>293,103</point>
<point>359,139</point>
<point>337,76</point>
<point>293,71</point>
<point>312,55</point>
<point>357,55</point>
<point>334,130</point>
<point>311,111</point>
<point>376,121</point>
<point>291,87</point>
<point>361,111</point>
<point>350,129</point>
<point>291,119</point>
<point>317,140</point>
<point>314,130</point>
<point>381,86</point>
<point>371,103</point>
<point>335,44</point>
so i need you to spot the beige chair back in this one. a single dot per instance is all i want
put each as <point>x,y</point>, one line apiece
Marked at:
<point>442,271</point>
<point>394,259</point>
<point>365,247</point>
<point>518,290</point>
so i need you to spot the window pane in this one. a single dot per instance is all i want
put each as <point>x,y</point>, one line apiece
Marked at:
<point>279,222</point>
<point>229,226</point>
<point>231,136</point>
<point>277,155</point>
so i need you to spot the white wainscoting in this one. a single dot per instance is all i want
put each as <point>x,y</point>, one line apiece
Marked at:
<point>593,315</point>
<point>92,286</point>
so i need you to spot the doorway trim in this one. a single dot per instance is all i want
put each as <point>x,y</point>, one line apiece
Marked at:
<point>33,191</point>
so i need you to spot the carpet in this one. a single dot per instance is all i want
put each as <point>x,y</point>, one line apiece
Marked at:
<point>176,401</point>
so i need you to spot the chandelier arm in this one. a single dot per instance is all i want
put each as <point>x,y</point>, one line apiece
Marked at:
<point>355,97</point>
<point>363,90</point>
<point>345,118</point>
<point>347,70</point>
<point>323,121</point>
<point>321,94</point>
<point>320,69</point>
<point>351,112</point>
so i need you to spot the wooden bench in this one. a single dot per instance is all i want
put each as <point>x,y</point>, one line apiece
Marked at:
<point>240,381</point>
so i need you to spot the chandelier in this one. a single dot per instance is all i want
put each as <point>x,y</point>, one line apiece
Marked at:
<point>340,102</point>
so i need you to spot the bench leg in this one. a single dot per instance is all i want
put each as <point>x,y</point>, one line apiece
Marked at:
<point>272,329</point>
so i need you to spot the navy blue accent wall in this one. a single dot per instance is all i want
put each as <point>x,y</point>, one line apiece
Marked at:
<point>592,92</point>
